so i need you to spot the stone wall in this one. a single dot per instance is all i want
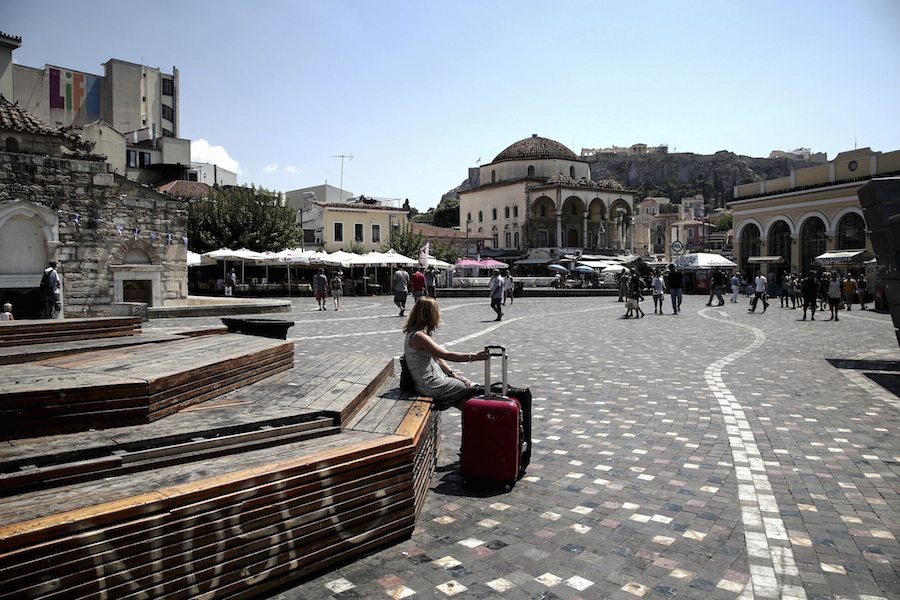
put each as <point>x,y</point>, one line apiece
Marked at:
<point>90,202</point>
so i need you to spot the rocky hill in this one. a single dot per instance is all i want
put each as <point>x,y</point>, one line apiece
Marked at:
<point>675,175</point>
<point>684,174</point>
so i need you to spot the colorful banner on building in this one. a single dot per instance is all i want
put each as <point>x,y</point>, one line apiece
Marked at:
<point>74,92</point>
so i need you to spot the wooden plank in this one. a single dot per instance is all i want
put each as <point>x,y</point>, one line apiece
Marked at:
<point>68,522</point>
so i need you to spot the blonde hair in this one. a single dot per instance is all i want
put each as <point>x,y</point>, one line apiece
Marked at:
<point>7,307</point>
<point>425,315</point>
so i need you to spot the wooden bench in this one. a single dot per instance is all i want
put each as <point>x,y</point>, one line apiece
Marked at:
<point>233,496</point>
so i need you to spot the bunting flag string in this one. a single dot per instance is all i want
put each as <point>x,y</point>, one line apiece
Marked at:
<point>79,220</point>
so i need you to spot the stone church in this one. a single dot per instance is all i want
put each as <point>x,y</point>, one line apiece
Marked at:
<point>537,193</point>
<point>116,242</point>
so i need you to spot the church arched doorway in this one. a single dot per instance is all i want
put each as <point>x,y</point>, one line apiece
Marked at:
<point>750,246</point>
<point>812,242</point>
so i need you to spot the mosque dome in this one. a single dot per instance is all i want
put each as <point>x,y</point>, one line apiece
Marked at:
<point>536,147</point>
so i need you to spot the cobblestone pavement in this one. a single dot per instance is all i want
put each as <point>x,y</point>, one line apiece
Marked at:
<point>712,454</point>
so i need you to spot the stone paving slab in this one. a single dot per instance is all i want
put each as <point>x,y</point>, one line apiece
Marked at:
<point>712,454</point>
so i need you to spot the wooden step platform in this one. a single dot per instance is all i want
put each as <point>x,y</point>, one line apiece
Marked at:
<point>16,354</point>
<point>43,331</point>
<point>131,385</point>
<point>231,525</point>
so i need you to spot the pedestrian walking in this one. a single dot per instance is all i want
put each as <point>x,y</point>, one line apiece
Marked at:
<point>401,289</point>
<point>430,281</point>
<point>809,291</point>
<point>623,285</point>
<point>635,295</point>
<point>508,288</point>
<point>715,289</point>
<point>320,288</point>
<point>417,283</point>
<point>735,287</point>
<point>50,292</point>
<point>861,284</point>
<point>760,286</point>
<point>834,297</point>
<point>784,296</point>
<point>849,288</point>
<point>675,283</point>
<point>497,293</point>
<point>337,289</point>
<point>657,286</point>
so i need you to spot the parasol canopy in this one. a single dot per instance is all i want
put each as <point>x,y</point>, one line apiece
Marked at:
<point>558,268</point>
<point>583,269</point>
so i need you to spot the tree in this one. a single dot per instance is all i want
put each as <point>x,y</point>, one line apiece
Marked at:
<point>446,213</point>
<point>242,217</point>
<point>724,223</point>
<point>405,242</point>
<point>446,252</point>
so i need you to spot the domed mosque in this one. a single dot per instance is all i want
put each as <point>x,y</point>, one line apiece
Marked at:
<point>537,193</point>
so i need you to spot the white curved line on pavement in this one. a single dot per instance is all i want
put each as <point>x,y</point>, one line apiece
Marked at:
<point>760,515</point>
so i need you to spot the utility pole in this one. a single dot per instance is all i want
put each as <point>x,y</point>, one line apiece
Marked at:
<point>342,157</point>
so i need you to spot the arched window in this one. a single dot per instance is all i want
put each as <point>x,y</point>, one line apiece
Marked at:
<point>493,176</point>
<point>574,209</point>
<point>749,247</point>
<point>851,232</point>
<point>506,212</point>
<point>480,217</point>
<point>516,239</point>
<point>531,170</point>
<point>469,218</point>
<point>812,242</point>
<point>780,242</point>
<point>572,172</point>
<point>543,211</point>
<point>515,211</point>
<point>494,214</point>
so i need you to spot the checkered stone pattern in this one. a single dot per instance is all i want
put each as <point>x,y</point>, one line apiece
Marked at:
<point>712,454</point>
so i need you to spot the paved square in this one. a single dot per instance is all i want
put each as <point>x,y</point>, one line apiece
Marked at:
<point>712,454</point>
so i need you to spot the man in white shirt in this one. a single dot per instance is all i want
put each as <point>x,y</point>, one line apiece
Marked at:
<point>761,285</point>
<point>497,294</point>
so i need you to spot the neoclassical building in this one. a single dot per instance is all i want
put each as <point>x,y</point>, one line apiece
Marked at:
<point>793,219</point>
<point>537,193</point>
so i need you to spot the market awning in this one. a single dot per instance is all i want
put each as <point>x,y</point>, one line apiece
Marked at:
<point>533,261</point>
<point>844,256</point>
<point>766,259</point>
<point>596,264</point>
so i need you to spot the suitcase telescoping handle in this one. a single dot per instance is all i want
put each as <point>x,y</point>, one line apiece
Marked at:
<point>495,351</point>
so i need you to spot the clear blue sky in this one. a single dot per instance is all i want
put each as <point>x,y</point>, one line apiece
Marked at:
<point>418,91</point>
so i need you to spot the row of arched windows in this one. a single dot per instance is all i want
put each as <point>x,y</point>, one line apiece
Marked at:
<point>506,213</point>
<point>850,235</point>
<point>530,173</point>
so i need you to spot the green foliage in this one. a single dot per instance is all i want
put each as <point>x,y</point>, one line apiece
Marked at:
<point>668,208</point>
<point>446,252</point>
<point>356,247</point>
<point>446,213</point>
<point>242,217</point>
<point>425,217</point>
<point>724,223</point>
<point>405,242</point>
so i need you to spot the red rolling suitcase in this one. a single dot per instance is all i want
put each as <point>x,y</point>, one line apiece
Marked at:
<point>493,435</point>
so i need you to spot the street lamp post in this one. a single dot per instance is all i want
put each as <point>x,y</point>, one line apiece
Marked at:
<point>468,222</point>
<point>299,217</point>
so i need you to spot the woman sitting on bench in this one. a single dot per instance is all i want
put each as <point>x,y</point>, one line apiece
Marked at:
<point>427,360</point>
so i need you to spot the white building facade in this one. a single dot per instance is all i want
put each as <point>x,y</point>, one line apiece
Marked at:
<point>537,193</point>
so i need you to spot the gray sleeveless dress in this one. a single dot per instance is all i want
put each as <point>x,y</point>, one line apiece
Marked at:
<point>430,379</point>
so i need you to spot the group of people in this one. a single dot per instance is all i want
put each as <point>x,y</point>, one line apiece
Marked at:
<point>421,283</point>
<point>852,289</point>
<point>322,286</point>
<point>631,291</point>
<point>832,290</point>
